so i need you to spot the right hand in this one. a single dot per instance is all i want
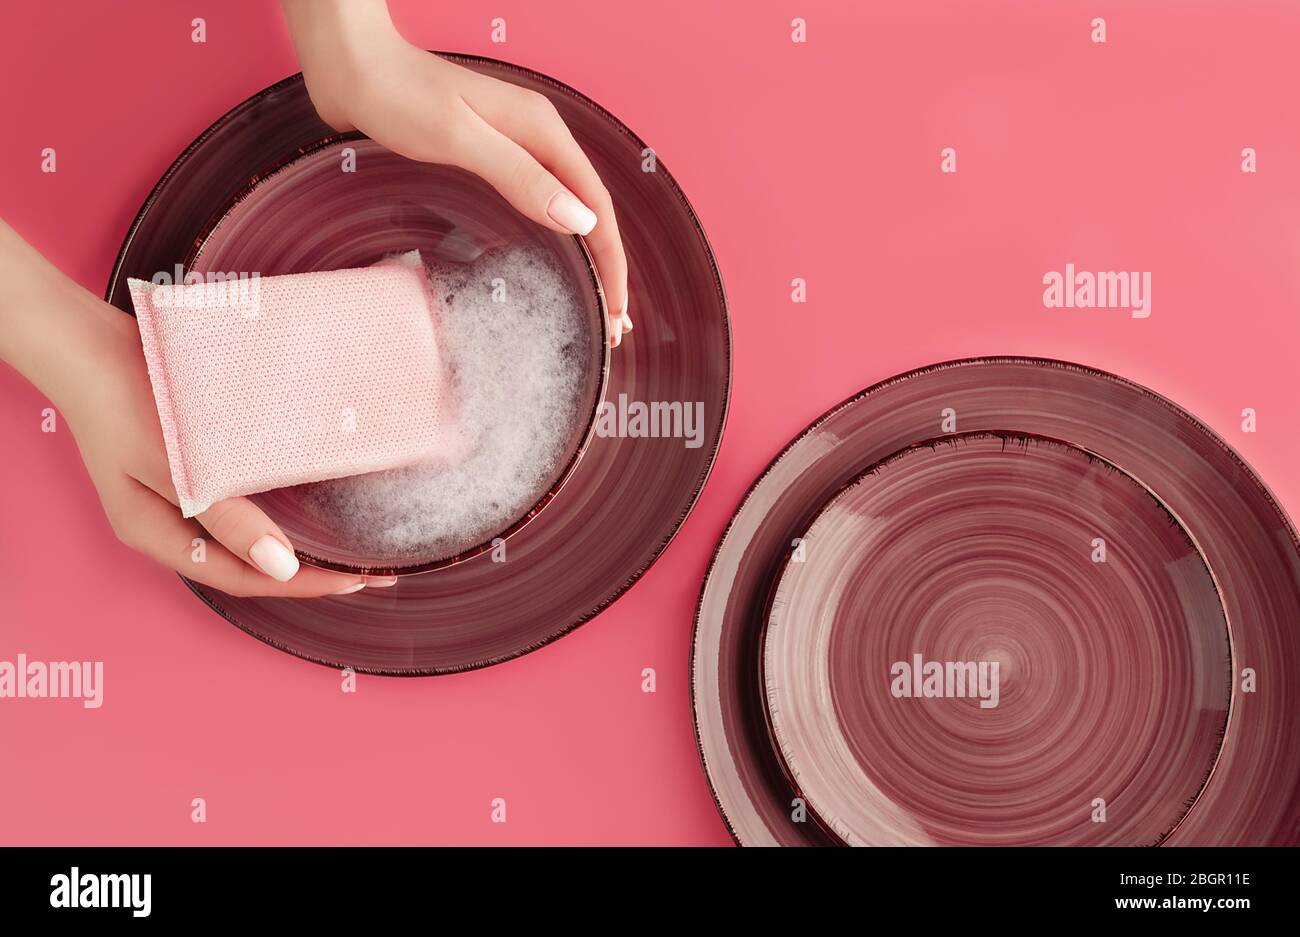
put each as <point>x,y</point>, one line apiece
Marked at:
<point>362,75</point>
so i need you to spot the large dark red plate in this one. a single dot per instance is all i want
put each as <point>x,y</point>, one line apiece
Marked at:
<point>626,498</point>
<point>1243,538</point>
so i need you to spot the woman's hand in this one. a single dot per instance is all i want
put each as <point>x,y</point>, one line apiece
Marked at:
<point>115,422</point>
<point>361,74</point>
<point>85,356</point>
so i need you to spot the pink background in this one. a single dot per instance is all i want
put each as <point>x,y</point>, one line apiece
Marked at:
<point>818,161</point>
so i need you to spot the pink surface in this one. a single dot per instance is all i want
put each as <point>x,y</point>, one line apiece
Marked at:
<point>817,160</point>
<point>284,380</point>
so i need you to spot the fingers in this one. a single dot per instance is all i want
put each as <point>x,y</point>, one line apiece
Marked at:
<point>149,524</point>
<point>238,524</point>
<point>242,527</point>
<point>523,181</point>
<point>245,530</point>
<point>530,120</point>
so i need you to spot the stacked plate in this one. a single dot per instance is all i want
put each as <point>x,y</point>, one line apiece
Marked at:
<point>1004,601</point>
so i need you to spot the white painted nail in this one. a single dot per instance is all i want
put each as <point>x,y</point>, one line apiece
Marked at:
<point>569,213</point>
<point>273,558</point>
<point>357,587</point>
<point>382,582</point>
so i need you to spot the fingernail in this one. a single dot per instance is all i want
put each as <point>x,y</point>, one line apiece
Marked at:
<point>273,558</point>
<point>627,320</point>
<point>381,582</point>
<point>355,587</point>
<point>569,213</point>
<point>616,338</point>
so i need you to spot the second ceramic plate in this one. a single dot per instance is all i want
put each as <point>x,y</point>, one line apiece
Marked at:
<point>1133,658</point>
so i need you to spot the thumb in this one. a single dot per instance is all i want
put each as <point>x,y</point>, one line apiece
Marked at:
<point>245,530</point>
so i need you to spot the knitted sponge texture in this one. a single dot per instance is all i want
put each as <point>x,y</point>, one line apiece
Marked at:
<point>265,382</point>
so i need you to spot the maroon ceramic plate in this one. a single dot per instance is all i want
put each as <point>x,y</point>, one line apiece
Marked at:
<point>1247,542</point>
<point>626,498</point>
<point>996,639</point>
<point>385,205</point>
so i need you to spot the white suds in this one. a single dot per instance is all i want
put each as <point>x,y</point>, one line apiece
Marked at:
<point>515,347</point>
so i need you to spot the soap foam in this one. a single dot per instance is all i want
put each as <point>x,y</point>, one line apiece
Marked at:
<point>513,337</point>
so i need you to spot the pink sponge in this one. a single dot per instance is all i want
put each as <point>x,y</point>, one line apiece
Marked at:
<point>272,381</point>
